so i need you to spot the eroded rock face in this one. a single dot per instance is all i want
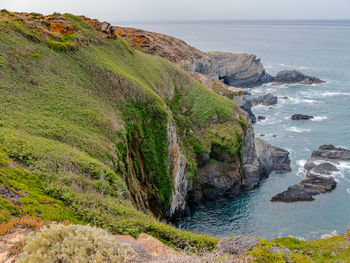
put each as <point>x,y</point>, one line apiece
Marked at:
<point>218,176</point>
<point>252,168</point>
<point>272,158</point>
<point>177,169</point>
<point>293,76</point>
<point>239,70</point>
<point>265,100</point>
<point>245,105</point>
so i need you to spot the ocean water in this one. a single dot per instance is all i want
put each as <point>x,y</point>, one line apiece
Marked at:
<point>318,48</point>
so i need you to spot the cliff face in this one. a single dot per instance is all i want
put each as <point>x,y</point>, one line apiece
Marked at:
<point>240,70</point>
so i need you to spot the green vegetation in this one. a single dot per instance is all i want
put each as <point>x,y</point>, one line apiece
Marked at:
<point>335,249</point>
<point>81,124</point>
<point>28,196</point>
<point>74,243</point>
<point>72,119</point>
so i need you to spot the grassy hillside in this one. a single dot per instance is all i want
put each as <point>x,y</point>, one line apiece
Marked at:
<point>83,134</point>
<point>91,123</point>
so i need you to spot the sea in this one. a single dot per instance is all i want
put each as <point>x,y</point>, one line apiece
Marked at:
<point>318,48</point>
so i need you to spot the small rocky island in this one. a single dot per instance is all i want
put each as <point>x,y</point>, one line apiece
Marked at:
<point>297,117</point>
<point>322,162</point>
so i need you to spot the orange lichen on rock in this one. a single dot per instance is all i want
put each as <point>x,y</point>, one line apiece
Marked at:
<point>61,26</point>
<point>174,49</point>
<point>105,29</point>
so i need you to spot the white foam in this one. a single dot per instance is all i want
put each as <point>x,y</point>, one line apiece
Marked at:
<point>297,130</point>
<point>301,162</point>
<point>319,118</point>
<point>348,190</point>
<point>297,101</point>
<point>332,94</point>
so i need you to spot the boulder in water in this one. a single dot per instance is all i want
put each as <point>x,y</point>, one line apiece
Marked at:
<point>297,117</point>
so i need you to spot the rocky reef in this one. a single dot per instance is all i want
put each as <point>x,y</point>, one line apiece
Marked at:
<point>321,163</point>
<point>293,76</point>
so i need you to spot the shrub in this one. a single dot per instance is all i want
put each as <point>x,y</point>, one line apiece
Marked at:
<point>74,243</point>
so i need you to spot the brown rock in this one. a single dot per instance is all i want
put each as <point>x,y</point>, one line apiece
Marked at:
<point>61,26</point>
<point>157,248</point>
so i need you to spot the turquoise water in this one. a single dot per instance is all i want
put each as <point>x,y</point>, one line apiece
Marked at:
<point>319,48</point>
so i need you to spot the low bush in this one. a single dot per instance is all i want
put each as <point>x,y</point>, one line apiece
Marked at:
<point>74,243</point>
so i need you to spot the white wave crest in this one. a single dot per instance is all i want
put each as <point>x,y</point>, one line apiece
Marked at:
<point>319,118</point>
<point>301,162</point>
<point>297,130</point>
<point>333,93</point>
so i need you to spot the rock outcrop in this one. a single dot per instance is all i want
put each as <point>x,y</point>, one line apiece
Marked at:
<point>237,245</point>
<point>217,86</point>
<point>245,105</point>
<point>218,176</point>
<point>272,158</point>
<point>330,152</point>
<point>306,189</point>
<point>293,76</point>
<point>223,175</point>
<point>172,48</point>
<point>322,162</point>
<point>265,100</point>
<point>240,70</point>
<point>297,117</point>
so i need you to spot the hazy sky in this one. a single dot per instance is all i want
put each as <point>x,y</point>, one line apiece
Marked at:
<point>152,10</point>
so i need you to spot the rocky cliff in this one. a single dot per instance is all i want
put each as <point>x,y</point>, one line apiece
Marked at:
<point>241,70</point>
<point>167,138</point>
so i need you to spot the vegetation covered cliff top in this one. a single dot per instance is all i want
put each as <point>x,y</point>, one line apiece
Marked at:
<point>84,127</point>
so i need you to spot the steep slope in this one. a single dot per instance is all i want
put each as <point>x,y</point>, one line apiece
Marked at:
<point>91,117</point>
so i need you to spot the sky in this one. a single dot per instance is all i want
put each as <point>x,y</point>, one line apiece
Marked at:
<point>172,10</point>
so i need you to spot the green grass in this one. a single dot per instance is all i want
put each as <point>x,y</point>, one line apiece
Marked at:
<point>335,249</point>
<point>32,198</point>
<point>72,118</point>
<point>89,124</point>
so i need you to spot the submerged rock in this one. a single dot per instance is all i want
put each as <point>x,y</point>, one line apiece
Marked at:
<point>260,118</point>
<point>293,76</point>
<point>301,117</point>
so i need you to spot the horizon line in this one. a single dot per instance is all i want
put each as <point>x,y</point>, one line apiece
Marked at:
<point>239,20</point>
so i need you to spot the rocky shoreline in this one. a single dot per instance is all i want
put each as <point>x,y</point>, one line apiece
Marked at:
<point>321,163</point>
